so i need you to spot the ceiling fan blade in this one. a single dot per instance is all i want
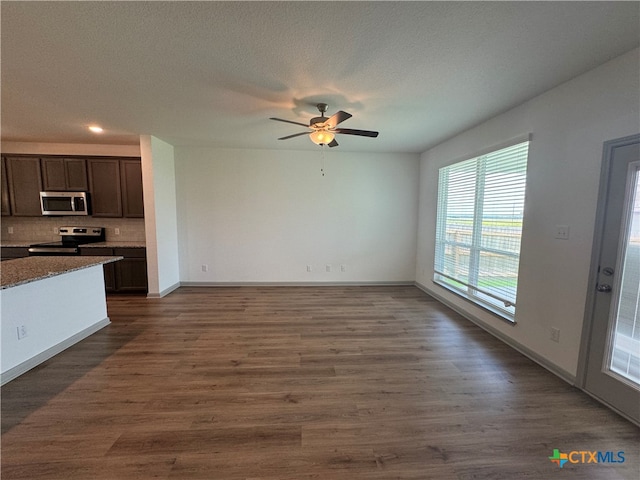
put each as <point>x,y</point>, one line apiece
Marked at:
<point>294,135</point>
<point>289,121</point>
<point>361,133</point>
<point>333,143</point>
<point>337,118</point>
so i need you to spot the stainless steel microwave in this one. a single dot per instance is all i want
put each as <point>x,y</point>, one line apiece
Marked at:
<point>64,203</point>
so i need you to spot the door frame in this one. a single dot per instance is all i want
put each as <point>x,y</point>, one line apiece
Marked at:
<point>587,325</point>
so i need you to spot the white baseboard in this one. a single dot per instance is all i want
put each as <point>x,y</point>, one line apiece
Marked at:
<point>296,284</point>
<point>165,292</point>
<point>530,354</point>
<point>36,360</point>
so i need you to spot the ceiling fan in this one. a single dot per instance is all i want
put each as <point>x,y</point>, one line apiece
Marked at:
<point>323,129</point>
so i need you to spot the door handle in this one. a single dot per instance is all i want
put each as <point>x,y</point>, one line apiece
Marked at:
<point>603,287</point>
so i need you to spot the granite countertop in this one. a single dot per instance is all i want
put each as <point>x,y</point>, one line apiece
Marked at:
<point>15,243</point>
<point>114,244</point>
<point>30,269</point>
<point>108,244</point>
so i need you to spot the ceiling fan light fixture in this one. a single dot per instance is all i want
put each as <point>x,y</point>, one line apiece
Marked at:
<point>95,128</point>
<point>321,137</point>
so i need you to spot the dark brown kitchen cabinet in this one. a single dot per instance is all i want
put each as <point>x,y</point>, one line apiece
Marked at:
<point>128,275</point>
<point>6,205</point>
<point>65,174</point>
<point>7,253</point>
<point>24,179</point>
<point>131,273</point>
<point>114,184</point>
<point>105,187</point>
<point>131,179</point>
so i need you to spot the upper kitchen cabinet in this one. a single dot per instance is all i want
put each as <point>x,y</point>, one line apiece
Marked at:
<point>24,180</point>
<point>105,188</point>
<point>115,185</point>
<point>131,179</point>
<point>6,205</point>
<point>65,174</point>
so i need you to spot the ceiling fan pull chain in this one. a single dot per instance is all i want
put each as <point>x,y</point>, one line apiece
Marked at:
<point>322,159</point>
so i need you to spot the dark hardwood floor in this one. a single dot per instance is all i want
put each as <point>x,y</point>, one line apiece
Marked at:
<point>300,383</point>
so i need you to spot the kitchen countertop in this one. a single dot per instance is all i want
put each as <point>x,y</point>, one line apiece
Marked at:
<point>30,269</point>
<point>108,244</point>
<point>114,244</point>
<point>15,243</point>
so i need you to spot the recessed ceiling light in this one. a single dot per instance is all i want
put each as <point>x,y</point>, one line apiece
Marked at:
<point>95,129</point>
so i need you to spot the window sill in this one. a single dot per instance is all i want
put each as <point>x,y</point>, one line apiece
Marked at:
<point>505,317</point>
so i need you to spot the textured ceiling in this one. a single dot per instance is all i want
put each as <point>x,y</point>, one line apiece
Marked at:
<point>212,73</point>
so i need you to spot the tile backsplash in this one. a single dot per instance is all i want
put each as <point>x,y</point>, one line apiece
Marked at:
<point>43,229</point>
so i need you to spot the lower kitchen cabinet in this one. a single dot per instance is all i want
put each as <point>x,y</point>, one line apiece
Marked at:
<point>131,272</point>
<point>14,252</point>
<point>128,275</point>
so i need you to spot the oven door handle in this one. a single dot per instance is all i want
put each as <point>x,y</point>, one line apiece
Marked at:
<point>53,250</point>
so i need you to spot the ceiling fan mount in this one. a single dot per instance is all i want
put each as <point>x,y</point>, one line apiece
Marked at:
<point>323,129</point>
<point>315,121</point>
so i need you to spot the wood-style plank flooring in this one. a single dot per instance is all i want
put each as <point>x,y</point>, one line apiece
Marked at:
<point>299,383</point>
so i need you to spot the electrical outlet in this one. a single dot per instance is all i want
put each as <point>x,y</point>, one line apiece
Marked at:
<point>555,334</point>
<point>56,230</point>
<point>10,230</point>
<point>308,268</point>
<point>328,268</point>
<point>117,231</point>
<point>205,268</point>
<point>22,332</point>
<point>562,232</point>
<point>343,268</point>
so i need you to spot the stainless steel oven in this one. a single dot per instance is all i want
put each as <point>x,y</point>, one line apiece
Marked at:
<point>71,238</point>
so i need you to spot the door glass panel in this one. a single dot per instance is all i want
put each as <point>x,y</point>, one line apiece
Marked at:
<point>624,353</point>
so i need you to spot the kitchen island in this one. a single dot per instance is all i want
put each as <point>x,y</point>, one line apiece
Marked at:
<point>48,303</point>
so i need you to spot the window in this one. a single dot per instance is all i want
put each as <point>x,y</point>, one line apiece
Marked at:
<point>479,225</point>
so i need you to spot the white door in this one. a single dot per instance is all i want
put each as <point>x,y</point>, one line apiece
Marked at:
<point>611,356</point>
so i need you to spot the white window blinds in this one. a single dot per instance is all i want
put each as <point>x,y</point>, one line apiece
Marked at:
<point>479,225</point>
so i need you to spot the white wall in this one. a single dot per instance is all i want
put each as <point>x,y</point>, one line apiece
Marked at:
<point>569,125</point>
<point>159,187</point>
<point>263,215</point>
